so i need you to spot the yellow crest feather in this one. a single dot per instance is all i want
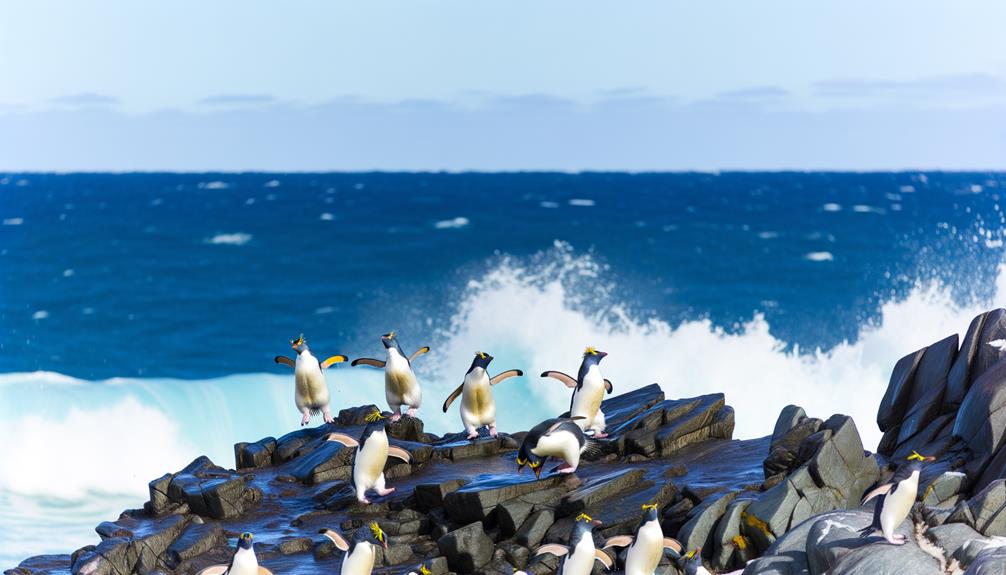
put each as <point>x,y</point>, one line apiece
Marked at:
<point>649,506</point>
<point>373,416</point>
<point>376,530</point>
<point>590,350</point>
<point>916,457</point>
<point>584,517</point>
<point>424,570</point>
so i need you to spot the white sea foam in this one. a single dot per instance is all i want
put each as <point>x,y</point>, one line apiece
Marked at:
<point>40,314</point>
<point>217,185</point>
<point>453,223</point>
<point>272,184</point>
<point>582,202</point>
<point>327,217</point>
<point>13,221</point>
<point>238,239</point>
<point>831,207</point>
<point>819,256</point>
<point>768,235</point>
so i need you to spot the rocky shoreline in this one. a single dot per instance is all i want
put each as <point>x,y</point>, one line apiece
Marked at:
<point>783,504</point>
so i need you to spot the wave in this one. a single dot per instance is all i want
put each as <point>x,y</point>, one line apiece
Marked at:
<point>80,438</point>
<point>237,239</point>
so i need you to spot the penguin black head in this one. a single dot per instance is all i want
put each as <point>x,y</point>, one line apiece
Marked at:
<point>299,345</point>
<point>245,541</point>
<point>390,339</point>
<point>693,560</point>
<point>649,513</point>
<point>592,356</point>
<point>375,422</point>
<point>372,534</point>
<point>482,359</point>
<point>914,462</point>
<point>583,525</point>
<point>525,457</point>
<point>423,569</point>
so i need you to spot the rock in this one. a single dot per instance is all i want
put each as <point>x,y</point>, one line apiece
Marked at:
<point>981,420</point>
<point>510,515</point>
<point>686,421</point>
<point>784,454</point>
<point>355,415</point>
<point>197,539</point>
<point>159,500</point>
<point>767,517</point>
<point>406,429</point>
<point>988,508</point>
<point>534,528</point>
<point>895,402</point>
<point>732,550</point>
<point>699,530</point>
<point>993,329</point>
<point>474,501</point>
<point>991,560</point>
<point>788,418</point>
<point>330,461</point>
<point>430,495</point>
<point>254,455</point>
<point>951,536</point>
<point>597,489</point>
<point>934,440</point>
<point>945,486</point>
<point>926,399</point>
<point>397,554</point>
<point>959,379</point>
<point>467,548</point>
<point>517,555</point>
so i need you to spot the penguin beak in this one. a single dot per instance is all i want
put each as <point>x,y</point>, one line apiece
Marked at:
<point>537,471</point>
<point>596,522</point>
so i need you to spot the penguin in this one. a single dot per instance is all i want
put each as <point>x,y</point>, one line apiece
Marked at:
<point>372,451</point>
<point>360,554</point>
<point>243,562</point>
<point>579,556</point>
<point>421,570</point>
<point>478,407</point>
<point>693,563</point>
<point>588,391</point>
<point>646,545</point>
<point>895,499</point>
<point>400,385</point>
<point>310,388</point>
<point>558,437</point>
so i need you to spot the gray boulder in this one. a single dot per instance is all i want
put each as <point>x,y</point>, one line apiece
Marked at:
<point>895,402</point>
<point>959,379</point>
<point>981,421</point>
<point>466,549</point>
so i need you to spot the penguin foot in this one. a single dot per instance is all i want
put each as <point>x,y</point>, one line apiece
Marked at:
<point>600,434</point>
<point>329,418</point>
<point>492,431</point>
<point>396,415</point>
<point>900,541</point>
<point>305,420</point>
<point>411,412</point>
<point>363,500</point>
<point>473,435</point>
<point>565,468</point>
<point>383,492</point>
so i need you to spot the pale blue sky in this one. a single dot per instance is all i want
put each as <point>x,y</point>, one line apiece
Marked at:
<point>507,85</point>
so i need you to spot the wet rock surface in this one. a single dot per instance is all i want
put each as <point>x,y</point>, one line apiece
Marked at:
<point>787,503</point>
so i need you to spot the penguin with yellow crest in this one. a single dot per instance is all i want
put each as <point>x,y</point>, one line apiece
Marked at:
<point>361,552</point>
<point>400,384</point>
<point>372,451</point>
<point>646,545</point>
<point>895,499</point>
<point>310,389</point>
<point>589,388</point>
<point>243,562</point>
<point>578,557</point>
<point>478,407</point>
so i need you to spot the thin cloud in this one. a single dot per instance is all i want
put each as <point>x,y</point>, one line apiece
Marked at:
<point>965,84</point>
<point>237,100</point>
<point>755,94</point>
<point>86,99</point>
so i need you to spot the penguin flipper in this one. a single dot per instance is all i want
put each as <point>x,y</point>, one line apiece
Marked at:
<point>553,548</point>
<point>875,526</point>
<point>339,541</point>
<point>264,571</point>
<point>367,361</point>
<point>419,352</point>
<point>608,386</point>
<point>505,375</point>
<point>343,439</point>
<point>604,558</point>
<point>618,541</point>
<point>882,490</point>
<point>285,360</point>
<point>672,544</point>
<point>214,570</point>
<point>454,395</point>
<point>400,453</point>
<point>569,381</point>
<point>333,360</point>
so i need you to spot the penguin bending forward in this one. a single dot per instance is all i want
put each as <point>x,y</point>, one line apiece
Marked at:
<point>478,407</point>
<point>559,437</point>
<point>400,385</point>
<point>310,388</point>
<point>578,557</point>
<point>895,499</point>
<point>372,451</point>
<point>588,391</point>
<point>646,546</point>
<point>243,562</point>
<point>361,552</point>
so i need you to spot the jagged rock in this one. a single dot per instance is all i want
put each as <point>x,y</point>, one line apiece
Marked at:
<point>197,539</point>
<point>993,329</point>
<point>784,451</point>
<point>895,402</point>
<point>466,549</point>
<point>474,501</point>
<point>981,420</point>
<point>788,418</point>
<point>951,537</point>
<point>991,560</point>
<point>767,517</point>
<point>534,528</point>
<point>406,429</point>
<point>510,515</point>
<point>926,398</point>
<point>588,495</point>
<point>159,500</point>
<point>517,555</point>
<point>731,549</point>
<point>254,455</point>
<point>988,509</point>
<point>456,447</point>
<point>355,415</point>
<point>699,530</point>
<point>686,421</point>
<point>330,461</point>
<point>430,495</point>
<point>959,379</point>
<point>945,486</point>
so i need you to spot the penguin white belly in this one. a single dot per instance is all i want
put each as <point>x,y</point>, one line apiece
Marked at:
<point>899,504</point>
<point>478,407</point>
<point>310,391</point>
<point>360,561</point>
<point>400,386</point>
<point>587,400</point>
<point>245,563</point>
<point>580,560</point>
<point>646,550</point>
<point>561,444</point>
<point>370,460</point>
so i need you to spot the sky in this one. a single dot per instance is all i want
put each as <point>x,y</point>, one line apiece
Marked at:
<point>460,85</point>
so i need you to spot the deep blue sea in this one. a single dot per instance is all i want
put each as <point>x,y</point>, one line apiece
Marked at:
<point>139,313</point>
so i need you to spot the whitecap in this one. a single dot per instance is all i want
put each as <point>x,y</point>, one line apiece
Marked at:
<point>238,239</point>
<point>907,189</point>
<point>13,221</point>
<point>215,185</point>
<point>831,207</point>
<point>819,256</point>
<point>40,314</point>
<point>976,188</point>
<point>327,217</point>
<point>327,309</point>
<point>582,202</point>
<point>549,204</point>
<point>67,273</point>
<point>864,209</point>
<point>454,223</point>
<point>250,201</point>
<point>768,235</point>
<point>996,243</point>
<point>272,184</point>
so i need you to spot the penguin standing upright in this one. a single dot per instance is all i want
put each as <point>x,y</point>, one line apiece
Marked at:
<point>588,391</point>
<point>400,385</point>
<point>895,499</point>
<point>478,407</point>
<point>646,546</point>
<point>578,557</point>
<point>310,388</point>
<point>243,562</point>
<point>558,437</point>
<point>372,451</point>
<point>361,553</point>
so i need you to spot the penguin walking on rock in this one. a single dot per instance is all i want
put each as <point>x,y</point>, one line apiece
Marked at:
<point>243,562</point>
<point>362,551</point>
<point>478,407</point>
<point>400,385</point>
<point>589,388</point>
<point>559,437</point>
<point>646,546</point>
<point>372,451</point>
<point>578,557</point>
<point>310,389</point>
<point>895,499</point>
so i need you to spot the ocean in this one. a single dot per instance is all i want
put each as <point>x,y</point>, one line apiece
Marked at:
<point>139,313</point>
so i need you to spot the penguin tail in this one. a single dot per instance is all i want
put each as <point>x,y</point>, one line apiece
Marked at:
<point>867,531</point>
<point>315,411</point>
<point>592,449</point>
